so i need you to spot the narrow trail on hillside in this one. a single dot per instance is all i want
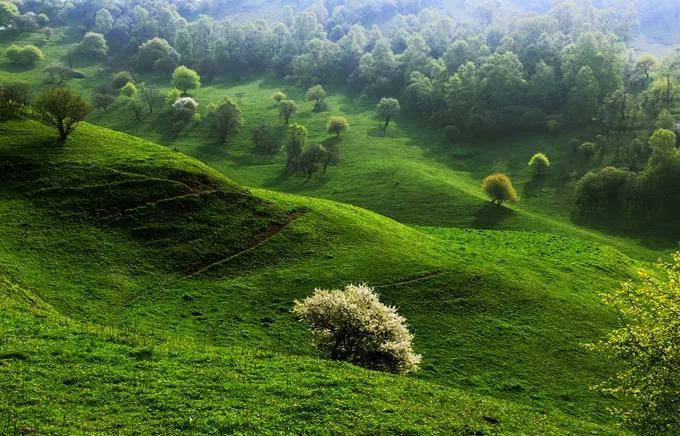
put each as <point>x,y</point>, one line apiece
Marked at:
<point>429,275</point>
<point>273,230</point>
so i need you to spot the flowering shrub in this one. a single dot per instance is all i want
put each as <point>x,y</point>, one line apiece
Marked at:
<point>354,326</point>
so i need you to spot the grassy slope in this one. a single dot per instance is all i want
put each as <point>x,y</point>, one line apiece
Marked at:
<point>492,314</point>
<point>408,173</point>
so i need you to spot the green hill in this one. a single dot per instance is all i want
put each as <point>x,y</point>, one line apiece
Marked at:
<point>144,290</point>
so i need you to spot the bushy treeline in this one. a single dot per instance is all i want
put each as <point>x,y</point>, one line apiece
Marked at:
<point>569,66</point>
<point>648,195</point>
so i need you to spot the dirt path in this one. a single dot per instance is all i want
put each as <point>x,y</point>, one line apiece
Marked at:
<point>429,275</point>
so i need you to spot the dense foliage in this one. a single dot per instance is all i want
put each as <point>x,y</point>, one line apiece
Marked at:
<point>353,325</point>
<point>647,344</point>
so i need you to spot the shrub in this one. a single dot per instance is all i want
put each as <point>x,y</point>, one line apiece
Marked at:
<point>24,55</point>
<point>278,96</point>
<point>8,11</point>
<point>62,109</point>
<point>15,100</point>
<point>58,73</point>
<point>646,350</point>
<point>337,125</point>
<point>93,45</point>
<point>129,90</point>
<point>185,108</point>
<point>354,326</point>
<point>606,190</point>
<point>121,79</point>
<point>499,189</point>
<point>172,96</point>
<point>539,163</point>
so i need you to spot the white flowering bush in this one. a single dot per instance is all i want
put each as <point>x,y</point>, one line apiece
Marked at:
<point>353,325</point>
<point>185,108</point>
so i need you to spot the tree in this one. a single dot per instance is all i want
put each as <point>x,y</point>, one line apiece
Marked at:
<point>265,139</point>
<point>62,109</point>
<point>15,100</point>
<point>148,95</point>
<point>499,189</point>
<point>57,73</point>
<point>311,159</point>
<point>539,163</point>
<point>8,11</point>
<point>287,109</point>
<point>129,90</point>
<point>158,55</point>
<point>353,325</point>
<point>337,125</point>
<point>185,109</point>
<point>224,118</point>
<point>185,79</point>
<point>103,98</point>
<point>646,349</point>
<point>103,21</point>
<point>388,108</point>
<point>665,120</point>
<point>121,79</point>
<point>278,96</point>
<point>24,55</point>
<point>583,100</point>
<point>317,94</point>
<point>93,45</point>
<point>295,143</point>
<point>663,140</point>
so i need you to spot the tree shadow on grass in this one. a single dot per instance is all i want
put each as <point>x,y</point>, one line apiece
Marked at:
<point>489,216</point>
<point>534,186</point>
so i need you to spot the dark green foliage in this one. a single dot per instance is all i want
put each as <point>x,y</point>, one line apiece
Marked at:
<point>121,79</point>
<point>15,100</point>
<point>93,45</point>
<point>266,139</point>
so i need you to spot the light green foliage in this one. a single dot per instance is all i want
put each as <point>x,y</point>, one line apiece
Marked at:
<point>185,79</point>
<point>103,21</point>
<point>388,108</point>
<point>62,109</point>
<point>337,125</point>
<point>8,10</point>
<point>93,45</point>
<point>647,347</point>
<point>589,149</point>
<point>287,110</point>
<point>172,96</point>
<point>278,96</point>
<point>662,140</point>
<point>295,143</point>
<point>353,325</point>
<point>499,189</point>
<point>24,55</point>
<point>158,55</point>
<point>129,90</point>
<point>539,163</point>
<point>225,118</point>
<point>317,95</point>
<point>665,120</point>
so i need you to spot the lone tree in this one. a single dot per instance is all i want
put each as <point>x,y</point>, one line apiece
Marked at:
<point>499,189</point>
<point>62,109</point>
<point>539,163</point>
<point>185,79</point>
<point>224,118</point>
<point>287,109</point>
<point>318,95</point>
<point>353,325</point>
<point>148,95</point>
<point>646,348</point>
<point>297,138</point>
<point>278,96</point>
<point>388,108</point>
<point>337,125</point>
<point>312,159</point>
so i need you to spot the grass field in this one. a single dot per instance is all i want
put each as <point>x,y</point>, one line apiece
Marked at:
<point>145,290</point>
<point>79,238</point>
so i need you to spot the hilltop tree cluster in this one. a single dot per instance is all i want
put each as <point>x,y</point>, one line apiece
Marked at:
<point>488,76</point>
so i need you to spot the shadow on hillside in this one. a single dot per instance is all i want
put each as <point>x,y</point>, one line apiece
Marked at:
<point>16,68</point>
<point>534,186</point>
<point>489,216</point>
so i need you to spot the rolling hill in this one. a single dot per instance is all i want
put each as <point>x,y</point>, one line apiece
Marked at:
<point>142,284</point>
